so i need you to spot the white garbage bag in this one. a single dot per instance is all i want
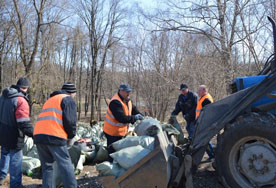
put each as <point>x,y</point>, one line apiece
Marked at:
<point>29,164</point>
<point>109,169</point>
<point>148,126</point>
<point>129,156</point>
<point>145,141</point>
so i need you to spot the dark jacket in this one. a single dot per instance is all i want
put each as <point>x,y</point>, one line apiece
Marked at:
<point>14,118</point>
<point>116,108</point>
<point>69,120</point>
<point>205,102</point>
<point>186,105</point>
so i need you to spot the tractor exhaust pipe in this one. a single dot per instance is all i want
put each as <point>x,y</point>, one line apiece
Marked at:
<point>273,65</point>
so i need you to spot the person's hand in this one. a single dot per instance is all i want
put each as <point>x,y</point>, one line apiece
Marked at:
<point>187,117</point>
<point>70,143</point>
<point>139,117</point>
<point>171,120</point>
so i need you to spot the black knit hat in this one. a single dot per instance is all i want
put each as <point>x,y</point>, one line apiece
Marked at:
<point>69,87</point>
<point>23,82</point>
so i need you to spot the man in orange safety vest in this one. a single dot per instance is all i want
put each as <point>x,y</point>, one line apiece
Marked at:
<point>204,99</point>
<point>119,114</point>
<point>55,126</point>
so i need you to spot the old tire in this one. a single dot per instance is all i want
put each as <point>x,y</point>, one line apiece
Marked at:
<point>246,152</point>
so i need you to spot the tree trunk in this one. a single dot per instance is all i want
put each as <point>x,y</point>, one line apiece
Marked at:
<point>80,78</point>
<point>1,76</point>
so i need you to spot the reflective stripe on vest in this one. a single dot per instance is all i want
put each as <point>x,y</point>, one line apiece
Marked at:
<point>49,121</point>
<point>111,125</point>
<point>200,101</point>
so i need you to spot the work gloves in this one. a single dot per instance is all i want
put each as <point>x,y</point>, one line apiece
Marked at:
<point>138,117</point>
<point>70,143</point>
<point>187,117</point>
<point>171,120</point>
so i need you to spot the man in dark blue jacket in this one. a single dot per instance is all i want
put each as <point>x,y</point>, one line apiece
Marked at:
<point>14,125</point>
<point>186,103</point>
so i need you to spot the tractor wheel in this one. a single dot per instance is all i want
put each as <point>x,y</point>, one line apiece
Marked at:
<point>246,152</point>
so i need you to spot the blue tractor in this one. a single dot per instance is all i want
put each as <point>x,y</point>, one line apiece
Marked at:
<point>245,123</point>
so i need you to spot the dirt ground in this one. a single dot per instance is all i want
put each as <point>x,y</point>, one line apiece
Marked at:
<point>87,178</point>
<point>204,178</point>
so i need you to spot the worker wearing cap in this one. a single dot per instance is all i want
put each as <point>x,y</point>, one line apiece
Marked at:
<point>119,114</point>
<point>204,99</point>
<point>14,125</point>
<point>186,103</point>
<point>55,126</point>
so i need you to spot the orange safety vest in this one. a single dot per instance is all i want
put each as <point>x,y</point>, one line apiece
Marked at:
<point>49,121</point>
<point>111,125</point>
<point>199,103</point>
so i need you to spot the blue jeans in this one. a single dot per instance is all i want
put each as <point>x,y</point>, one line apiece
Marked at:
<point>210,150</point>
<point>11,161</point>
<point>50,153</point>
<point>190,127</point>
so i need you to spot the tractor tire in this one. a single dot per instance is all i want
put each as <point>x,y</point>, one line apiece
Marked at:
<point>246,152</point>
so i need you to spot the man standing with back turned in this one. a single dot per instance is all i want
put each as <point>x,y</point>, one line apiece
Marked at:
<point>186,103</point>
<point>55,125</point>
<point>14,125</point>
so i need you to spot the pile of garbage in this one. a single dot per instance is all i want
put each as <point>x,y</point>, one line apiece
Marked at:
<point>131,149</point>
<point>31,162</point>
<point>90,146</point>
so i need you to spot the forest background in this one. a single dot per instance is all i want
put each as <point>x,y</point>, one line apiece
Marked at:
<point>154,47</point>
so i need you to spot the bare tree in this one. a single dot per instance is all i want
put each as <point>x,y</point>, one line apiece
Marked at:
<point>219,21</point>
<point>225,38</point>
<point>80,79</point>
<point>101,31</point>
<point>5,33</point>
<point>28,46</point>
